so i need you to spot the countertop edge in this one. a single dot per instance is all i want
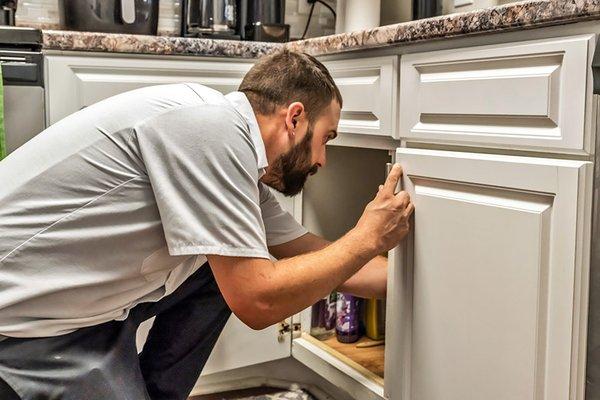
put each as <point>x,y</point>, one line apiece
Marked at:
<point>157,45</point>
<point>523,15</point>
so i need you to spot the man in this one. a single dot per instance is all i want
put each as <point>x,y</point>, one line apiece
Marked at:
<point>109,217</point>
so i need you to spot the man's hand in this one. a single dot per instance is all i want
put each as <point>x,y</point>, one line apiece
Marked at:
<point>385,221</point>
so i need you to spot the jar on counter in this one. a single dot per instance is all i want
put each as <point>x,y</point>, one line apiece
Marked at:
<point>169,17</point>
<point>42,14</point>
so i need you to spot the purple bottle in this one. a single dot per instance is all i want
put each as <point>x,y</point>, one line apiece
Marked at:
<point>347,327</point>
<point>323,317</point>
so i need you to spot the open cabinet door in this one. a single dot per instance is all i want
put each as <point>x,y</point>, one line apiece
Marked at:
<point>488,297</point>
<point>239,346</point>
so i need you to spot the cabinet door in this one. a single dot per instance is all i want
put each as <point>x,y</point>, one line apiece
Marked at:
<point>487,297</point>
<point>74,82</point>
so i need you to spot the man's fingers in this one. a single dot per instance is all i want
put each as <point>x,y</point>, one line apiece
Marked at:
<point>392,180</point>
<point>403,198</point>
<point>410,208</point>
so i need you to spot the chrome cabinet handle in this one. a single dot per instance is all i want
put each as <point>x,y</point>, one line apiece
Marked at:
<point>128,11</point>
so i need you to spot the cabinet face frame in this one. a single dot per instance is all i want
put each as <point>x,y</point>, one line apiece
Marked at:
<point>568,185</point>
<point>530,95</point>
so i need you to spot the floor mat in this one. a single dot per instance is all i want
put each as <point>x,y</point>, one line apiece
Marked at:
<point>261,393</point>
<point>283,395</point>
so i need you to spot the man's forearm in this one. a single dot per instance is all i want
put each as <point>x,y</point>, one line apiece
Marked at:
<point>369,281</point>
<point>290,285</point>
<point>309,277</point>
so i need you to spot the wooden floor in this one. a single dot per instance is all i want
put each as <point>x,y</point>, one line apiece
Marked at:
<point>369,357</point>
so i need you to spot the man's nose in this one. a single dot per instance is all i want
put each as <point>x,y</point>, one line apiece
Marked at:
<point>322,160</point>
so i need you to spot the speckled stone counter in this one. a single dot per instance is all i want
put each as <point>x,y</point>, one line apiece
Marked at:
<point>513,16</point>
<point>160,45</point>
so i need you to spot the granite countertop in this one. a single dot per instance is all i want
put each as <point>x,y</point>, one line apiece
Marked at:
<point>160,45</point>
<point>522,15</point>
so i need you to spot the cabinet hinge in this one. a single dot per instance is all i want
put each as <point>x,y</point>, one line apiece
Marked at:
<point>285,328</point>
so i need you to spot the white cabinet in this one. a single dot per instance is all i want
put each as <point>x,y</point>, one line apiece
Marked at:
<point>369,87</point>
<point>487,298</point>
<point>74,82</point>
<point>531,95</point>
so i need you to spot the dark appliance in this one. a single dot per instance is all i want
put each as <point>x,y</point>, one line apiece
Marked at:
<point>260,20</point>
<point>7,12</point>
<point>113,16</point>
<point>426,8</point>
<point>216,19</point>
<point>263,20</point>
<point>23,77</point>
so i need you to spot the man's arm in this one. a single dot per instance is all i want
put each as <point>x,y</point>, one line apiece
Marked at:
<point>369,281</point>
<point>261,292</point>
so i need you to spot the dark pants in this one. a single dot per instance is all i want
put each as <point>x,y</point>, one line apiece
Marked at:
<point>101,362</point>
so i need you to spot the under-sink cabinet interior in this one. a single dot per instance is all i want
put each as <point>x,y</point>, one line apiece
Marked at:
<point>332,202</point>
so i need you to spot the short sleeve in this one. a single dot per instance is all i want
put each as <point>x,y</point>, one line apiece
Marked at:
<point>202,166</point>
<point>280,225</point>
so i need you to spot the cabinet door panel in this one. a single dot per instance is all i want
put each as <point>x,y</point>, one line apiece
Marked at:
<point>77,82</point>
<point>369,89</point>
<point>493,273</point>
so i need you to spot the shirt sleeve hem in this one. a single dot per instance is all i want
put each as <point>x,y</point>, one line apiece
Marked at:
<point>288,237</point>
<point>218,250</point>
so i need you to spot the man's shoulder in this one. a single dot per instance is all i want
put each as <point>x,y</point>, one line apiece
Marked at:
<point>210,123</point>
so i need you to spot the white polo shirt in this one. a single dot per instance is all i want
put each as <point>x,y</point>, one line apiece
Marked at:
<point>120,202</point>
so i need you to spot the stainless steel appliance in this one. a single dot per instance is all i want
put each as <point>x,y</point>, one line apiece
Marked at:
<point>260,20</point>
<point>23,75</point>
<point>113,16</point>
<point>216,19</point>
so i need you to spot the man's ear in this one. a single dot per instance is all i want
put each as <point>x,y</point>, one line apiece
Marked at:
<point>295,114</point>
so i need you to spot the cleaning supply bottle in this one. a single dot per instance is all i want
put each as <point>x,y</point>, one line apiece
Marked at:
<point>322,324</point>
<point>375,318</point>
<point>347,326</point>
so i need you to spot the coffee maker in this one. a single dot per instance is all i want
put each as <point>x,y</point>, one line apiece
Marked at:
<point>263,20</point>
<point>259,20</point>
<point>216,19</point>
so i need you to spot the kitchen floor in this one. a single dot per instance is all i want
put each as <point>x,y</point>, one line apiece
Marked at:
<point>264,393</point>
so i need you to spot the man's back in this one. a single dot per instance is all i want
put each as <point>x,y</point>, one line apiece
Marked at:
<point>77,211</point>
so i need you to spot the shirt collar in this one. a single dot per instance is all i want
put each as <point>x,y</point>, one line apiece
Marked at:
<point>242,105</point>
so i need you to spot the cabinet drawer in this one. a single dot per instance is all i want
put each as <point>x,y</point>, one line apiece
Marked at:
<point>369,91</point>
<point>528,95</point>
<point>74,82</point>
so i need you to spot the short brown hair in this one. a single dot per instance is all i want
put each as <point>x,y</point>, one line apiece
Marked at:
<point>282,78</point>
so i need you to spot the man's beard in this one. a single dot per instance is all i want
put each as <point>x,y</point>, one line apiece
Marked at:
<point>289,171</point>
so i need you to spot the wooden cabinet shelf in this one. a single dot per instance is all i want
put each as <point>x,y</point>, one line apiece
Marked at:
<point>370,358</point>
